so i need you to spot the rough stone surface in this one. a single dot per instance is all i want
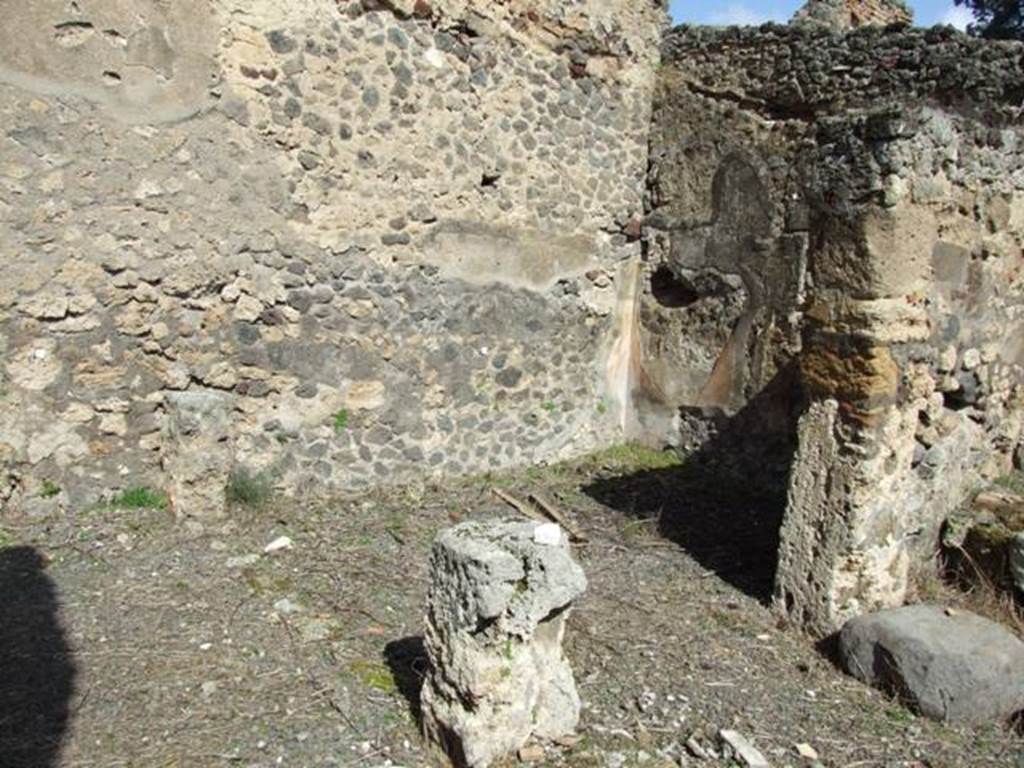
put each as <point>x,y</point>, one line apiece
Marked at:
<point>842,15</point>
<point>498,603</point>
<point>986,543</point>
<point>301,206</point>
<point>425,239</point>
<point>742,750</point>
<point>199,453</point>
<point>835,286</point>
<point>946,665</point>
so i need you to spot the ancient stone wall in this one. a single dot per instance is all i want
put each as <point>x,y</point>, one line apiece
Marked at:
<point>874,252</point>
<point>371,241</point>
<point>334,245</point>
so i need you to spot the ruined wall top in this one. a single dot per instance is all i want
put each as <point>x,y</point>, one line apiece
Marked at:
<point>843,15</point>
<point>801,71</point>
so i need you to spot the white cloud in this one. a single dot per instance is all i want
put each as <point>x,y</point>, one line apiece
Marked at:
<point>957,16</point>
<point>739,14</point>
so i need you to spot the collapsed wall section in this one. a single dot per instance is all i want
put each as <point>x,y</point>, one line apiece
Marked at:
<point>896,158</point>
<point>369,241</point>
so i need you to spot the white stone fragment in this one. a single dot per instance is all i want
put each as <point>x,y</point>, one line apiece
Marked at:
<point>278,544</point>
<point>972,359</point>
<point>743,749</point>
<point>807,752</point>
<point>548,534</point>
<point>435,58</point>
<point>286,606</point>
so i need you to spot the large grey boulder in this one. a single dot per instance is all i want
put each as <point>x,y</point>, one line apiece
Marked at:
<point>499,599</point>
<point>944,664</point>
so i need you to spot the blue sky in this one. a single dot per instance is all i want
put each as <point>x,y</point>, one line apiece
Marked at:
<point>926,12</point>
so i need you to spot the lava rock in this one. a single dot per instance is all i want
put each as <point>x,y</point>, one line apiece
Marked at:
<point>944,664</point>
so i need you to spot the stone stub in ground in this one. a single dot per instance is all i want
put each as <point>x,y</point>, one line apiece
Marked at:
<point>945,664</point>
<point>198,453</point>
<point>499,598</point>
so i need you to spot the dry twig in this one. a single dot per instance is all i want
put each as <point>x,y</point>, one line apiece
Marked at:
<point>520,506</point>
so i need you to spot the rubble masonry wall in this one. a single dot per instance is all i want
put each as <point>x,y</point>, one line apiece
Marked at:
<point>873,252</point>
<point>384,238</point>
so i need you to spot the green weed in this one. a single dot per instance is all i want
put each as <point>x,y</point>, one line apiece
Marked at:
<point>140,497</point>
<point>899,714</point>
<point>266,584</point>
<point>629,456</point>
<point>1013,482</point>
<point>374,674</point>
<point>49,490</point>
<point>249,489</point>
<point>634,531</point>
<point>340,420</point>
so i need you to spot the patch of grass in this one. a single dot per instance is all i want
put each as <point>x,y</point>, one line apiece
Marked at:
<point>602,407</point>
<point>623,459</point>
<point>6,540</point>
<point>396,523</point>
<point>249,489</point>
<point>928,585</point>
<point>637,458</point>
<point>266,584</point>
<point>49,489</point>
<point>633,531</point>
<point>899,714</point>
<point>549,406</point>
<point>140,497</point>
<point>374,674</point>
<point>1013,482</point>
<point>340,420</point>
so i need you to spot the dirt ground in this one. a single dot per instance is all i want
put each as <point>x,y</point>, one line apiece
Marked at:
<point>130,640</point>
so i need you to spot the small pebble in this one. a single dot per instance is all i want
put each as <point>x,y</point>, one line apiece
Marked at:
<point>282,542</point>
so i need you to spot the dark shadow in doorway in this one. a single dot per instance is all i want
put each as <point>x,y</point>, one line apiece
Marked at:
<point>724,505</point>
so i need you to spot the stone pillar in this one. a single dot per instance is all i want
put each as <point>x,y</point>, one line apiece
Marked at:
<point>905,417</point>
<point>499,599</point>
<point>197,453</point>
